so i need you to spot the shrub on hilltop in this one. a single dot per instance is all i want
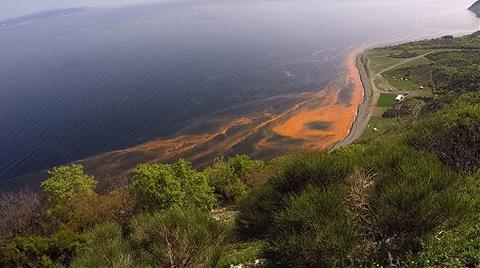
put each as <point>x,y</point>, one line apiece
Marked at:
<point>65,182</point>
<point>105,246</point>
<point>57,250</point>
<point>180,237</point>
<point>228,177</point>
<point>362,203</point>
<point>160,186</point>
<point>453,135</point>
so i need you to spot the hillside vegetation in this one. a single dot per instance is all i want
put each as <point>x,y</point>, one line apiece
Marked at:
<point>408,196</point>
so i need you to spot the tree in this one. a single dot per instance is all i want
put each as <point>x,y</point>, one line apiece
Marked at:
<point>65,182</point>
<point>195,185</point>
<point>226,177</point>
<point>161,186</point>
<point>242,164</point>
<point>156,186</point>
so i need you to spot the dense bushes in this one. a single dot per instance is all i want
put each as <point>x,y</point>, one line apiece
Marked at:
<point>294,174</point>
<point>57,250</point>
<point>228,178</point>
<point>72,202</point>
<point>313,231</point>
<point>459,247</point>
<point>82,213</point>
<point>456,70</point>
<point>412,195</point>
<point>105,247</point>
<point>247,253</point>
<point>179,237</point>
<point>454,135</point>
<point>175,237</point>
<point>161,186</point>
<point>365,203</point>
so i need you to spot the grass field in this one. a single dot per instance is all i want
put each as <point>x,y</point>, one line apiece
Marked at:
<point>381,59</point>
<point>386,100</point>
<point>402,85</point>
<point>376,127</point>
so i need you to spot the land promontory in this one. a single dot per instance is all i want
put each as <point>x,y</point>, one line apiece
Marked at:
<point>475,8</point>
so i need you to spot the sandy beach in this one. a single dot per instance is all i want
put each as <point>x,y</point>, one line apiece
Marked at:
<point>365,109</point>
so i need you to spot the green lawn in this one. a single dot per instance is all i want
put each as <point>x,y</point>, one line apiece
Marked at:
<point>402,84</point>
<point>410,86</point>
<point>386,100</point>
<point>380,124</point>
<point>415,63</point>
<point>379,59</point>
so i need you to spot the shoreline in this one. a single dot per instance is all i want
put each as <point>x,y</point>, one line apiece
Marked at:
<point>365,109</point>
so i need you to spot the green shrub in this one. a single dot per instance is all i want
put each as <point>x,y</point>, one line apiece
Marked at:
<point>198,192</point>
<point>179,237</point>
<point>314,231</point>
<point>294,175</point>
<point>161,186</point>
<point>453,134</point>
<point>459,247</point>
<point>105,247</point>
<point>65,182</point>
<point>246,253</point>
<point>226,177</point>
<point>368,202</point>
<point>157,186</point>
<point>242,164</point>
<point>256,212</point>
<point>57,250</point>
<point>413,194</point>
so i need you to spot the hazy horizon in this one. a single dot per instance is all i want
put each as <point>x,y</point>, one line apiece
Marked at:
<point>20,8</point>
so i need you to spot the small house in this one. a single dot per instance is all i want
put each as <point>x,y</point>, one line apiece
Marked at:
<point>400,97</point>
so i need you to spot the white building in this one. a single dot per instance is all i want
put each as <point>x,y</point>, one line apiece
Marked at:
<point>400,97</point>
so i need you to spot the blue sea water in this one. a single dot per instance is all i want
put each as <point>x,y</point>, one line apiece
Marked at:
<point>79,84</point>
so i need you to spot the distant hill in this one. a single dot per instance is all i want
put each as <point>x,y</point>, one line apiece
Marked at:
<point>43,15</point>
<point>475,8</point>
